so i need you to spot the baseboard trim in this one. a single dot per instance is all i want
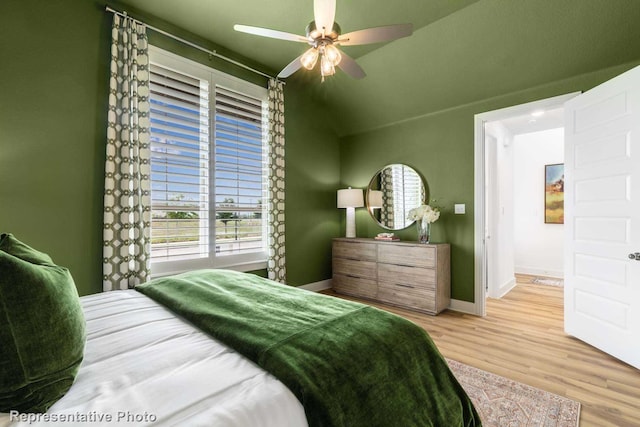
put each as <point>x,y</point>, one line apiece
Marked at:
<point>463,306</point>
<point>317,286</point>
<point>533,271</point>
<point>504,289</point>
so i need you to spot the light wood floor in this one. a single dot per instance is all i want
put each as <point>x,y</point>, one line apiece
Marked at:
<point>522,338</point>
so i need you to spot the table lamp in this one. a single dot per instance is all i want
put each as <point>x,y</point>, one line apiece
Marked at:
<point>350,199</point>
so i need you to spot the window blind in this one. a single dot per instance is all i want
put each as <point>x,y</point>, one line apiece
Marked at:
<point>179,165</point>
<point>240,192</point>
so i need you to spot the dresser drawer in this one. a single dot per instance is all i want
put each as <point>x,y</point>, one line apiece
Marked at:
<point>357,286</point>
<point>417,256</point>
<point>354,250</point>
<point>406,296</point>
<point>354,267</point>
<point>424,278</point>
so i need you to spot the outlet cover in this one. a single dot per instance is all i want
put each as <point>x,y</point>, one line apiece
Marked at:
<point>459,208</point>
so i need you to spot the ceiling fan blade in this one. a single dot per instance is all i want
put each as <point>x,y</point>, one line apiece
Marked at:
<point>350,66</point>
<point>324,12</point>
<point>291,68</point>
<point>266,32</point>
<point>376,34</point>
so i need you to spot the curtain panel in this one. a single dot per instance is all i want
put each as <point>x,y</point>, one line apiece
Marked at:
<point>386,212</point>
<point>127,196</point>
<point>276,265</point>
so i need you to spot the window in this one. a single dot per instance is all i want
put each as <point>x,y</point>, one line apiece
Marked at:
<point>208,168</point>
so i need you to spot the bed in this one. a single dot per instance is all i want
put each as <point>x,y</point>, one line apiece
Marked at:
<point>146,365</point>
<point>222,348</point>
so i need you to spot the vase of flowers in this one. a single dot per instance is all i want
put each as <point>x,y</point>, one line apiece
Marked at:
<point>424,216</point>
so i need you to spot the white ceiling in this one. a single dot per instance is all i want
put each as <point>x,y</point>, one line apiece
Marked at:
<point>527,123</point>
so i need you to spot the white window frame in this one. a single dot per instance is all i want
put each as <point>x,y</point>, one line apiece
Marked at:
<point>240,262</point>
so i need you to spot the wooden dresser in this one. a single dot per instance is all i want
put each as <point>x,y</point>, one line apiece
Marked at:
<point>405,274</point>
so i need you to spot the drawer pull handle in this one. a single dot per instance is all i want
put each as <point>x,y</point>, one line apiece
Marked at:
<point>352,276</point>
<point>405,286</point>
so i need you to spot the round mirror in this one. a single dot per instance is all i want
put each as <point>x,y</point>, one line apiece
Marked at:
<point>393,191</point>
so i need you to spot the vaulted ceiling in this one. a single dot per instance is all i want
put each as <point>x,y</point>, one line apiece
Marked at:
<point>461,51</point>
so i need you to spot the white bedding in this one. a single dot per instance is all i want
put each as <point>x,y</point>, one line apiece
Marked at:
<point>145,366</point>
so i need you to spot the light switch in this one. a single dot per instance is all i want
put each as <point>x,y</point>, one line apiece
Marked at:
<point>459,208</point>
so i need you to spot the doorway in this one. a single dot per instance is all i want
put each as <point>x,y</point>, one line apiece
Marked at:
<point>503,213</point>
<point>523,239</point>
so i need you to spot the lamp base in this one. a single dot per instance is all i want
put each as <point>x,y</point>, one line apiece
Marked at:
<point>351,223</point>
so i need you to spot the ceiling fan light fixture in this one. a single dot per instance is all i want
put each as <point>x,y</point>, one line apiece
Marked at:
<point>309,58</point>
<point>326,67</point>
<point>333,54</point>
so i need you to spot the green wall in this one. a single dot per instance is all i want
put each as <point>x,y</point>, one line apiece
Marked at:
<point>53,101</point>
<point>312,178</point>
<point>440,146</point>
<point>53,76</point>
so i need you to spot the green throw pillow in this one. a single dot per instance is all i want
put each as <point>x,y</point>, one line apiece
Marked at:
<point>42,328</point>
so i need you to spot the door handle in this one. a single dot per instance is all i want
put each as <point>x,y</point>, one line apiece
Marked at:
<point>635,256</point>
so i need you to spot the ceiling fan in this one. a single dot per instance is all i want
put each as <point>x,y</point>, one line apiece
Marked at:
<point>323,35</point>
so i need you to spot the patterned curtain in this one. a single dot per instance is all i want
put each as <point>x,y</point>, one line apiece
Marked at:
<point>386,185</point>
<point>276,266</point>
<point>127,197</point>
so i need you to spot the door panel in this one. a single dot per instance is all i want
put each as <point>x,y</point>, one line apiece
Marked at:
<point>602,217</point>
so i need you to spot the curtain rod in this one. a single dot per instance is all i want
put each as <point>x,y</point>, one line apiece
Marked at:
<point>187,42</point>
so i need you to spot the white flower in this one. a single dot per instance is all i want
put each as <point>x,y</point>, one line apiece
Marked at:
<point>424,212</point>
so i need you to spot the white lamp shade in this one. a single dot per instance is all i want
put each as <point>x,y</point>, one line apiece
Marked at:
<point>350,198</point>
<point>374,198</point>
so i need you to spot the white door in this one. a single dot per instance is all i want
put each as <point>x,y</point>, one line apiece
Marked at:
<point>602,217</point>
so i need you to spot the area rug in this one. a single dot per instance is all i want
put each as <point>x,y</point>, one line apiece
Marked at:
<point>548,281</point>
<point>539,280</point>
<point>502,402</point>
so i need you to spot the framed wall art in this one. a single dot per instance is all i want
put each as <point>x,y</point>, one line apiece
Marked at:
<point>554,194</point>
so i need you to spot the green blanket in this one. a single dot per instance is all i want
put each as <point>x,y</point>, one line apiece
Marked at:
<point>349,364</point>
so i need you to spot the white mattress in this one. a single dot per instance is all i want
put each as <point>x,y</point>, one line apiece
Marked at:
<point>144,366</point>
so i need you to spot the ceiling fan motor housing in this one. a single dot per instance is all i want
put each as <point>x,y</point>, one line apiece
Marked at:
<point>315,36</point>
